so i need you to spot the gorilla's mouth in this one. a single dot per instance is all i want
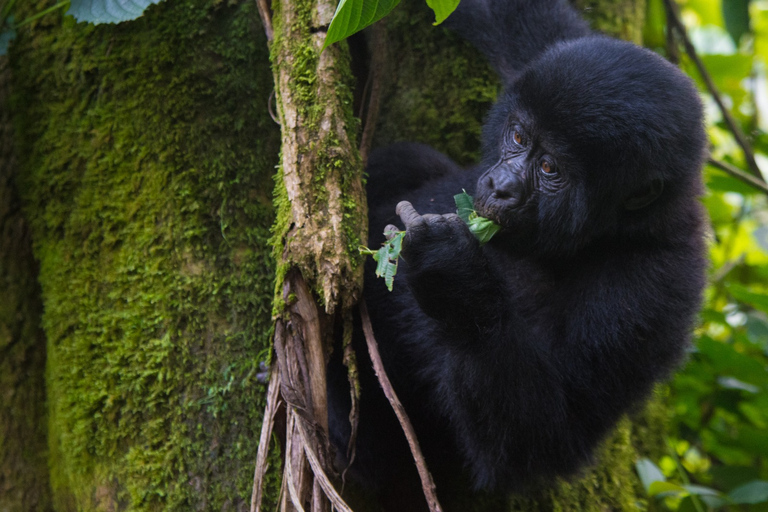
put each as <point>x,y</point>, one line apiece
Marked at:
<point>496,210</point>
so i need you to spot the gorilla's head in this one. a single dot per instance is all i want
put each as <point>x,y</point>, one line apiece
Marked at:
<point>596,137</point>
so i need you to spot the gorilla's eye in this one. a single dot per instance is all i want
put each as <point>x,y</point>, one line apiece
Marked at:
<point>518,138</point>
<point>547,168</point>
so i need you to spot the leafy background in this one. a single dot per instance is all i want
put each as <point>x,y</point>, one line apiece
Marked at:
<point>718,444</point>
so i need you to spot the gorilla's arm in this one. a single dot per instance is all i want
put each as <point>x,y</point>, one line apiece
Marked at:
<point>530,380</point>
<point>512,33</point>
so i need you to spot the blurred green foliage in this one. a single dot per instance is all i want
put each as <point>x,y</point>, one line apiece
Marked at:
<point>718,447</point>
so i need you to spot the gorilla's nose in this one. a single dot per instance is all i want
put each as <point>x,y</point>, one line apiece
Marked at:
<point>506,185</point>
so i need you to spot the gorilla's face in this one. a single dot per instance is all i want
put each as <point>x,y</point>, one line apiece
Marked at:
<point>534,190</point>
<point>591,134</point>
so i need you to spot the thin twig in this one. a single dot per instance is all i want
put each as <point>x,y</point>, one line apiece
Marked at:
<point>673,52</point>
<point>427,483</point>
<point>378,47</point>
<point>741,139</point>
<point>271,111</point>
<point>739,174</point>
<point>266,19</point>
<point>319,472</point>
<point>723,271</point>
<point>292,421</point>
<point>350,361</point>
<point>273,392</point>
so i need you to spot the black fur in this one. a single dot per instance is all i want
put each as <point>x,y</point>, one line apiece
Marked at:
<point>515,359</point>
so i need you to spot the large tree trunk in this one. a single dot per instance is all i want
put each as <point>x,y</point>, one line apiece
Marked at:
<point>147,157</point>
<point>23,462</point>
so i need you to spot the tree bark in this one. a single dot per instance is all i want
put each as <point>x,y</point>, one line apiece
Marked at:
<point>23,453</point>
<point>147,157</point>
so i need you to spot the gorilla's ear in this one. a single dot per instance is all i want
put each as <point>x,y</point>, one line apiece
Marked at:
<point>646,197</point>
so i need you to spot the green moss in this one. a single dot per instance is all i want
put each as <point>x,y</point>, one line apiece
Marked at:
<point>24,482</point>
<point>619,18</point>
<point>148,158</point>
<point>439,86</point>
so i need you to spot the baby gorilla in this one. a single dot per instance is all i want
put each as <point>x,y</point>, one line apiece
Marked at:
<point>515,358</point>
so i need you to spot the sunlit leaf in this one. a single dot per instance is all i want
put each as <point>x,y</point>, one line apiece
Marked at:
<point>108,11</point>
<point>354,15</point>
<point>660,489</point>
<point>442,8</point>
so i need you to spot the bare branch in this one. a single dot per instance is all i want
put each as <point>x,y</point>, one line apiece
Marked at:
<point>427,483</point>
<point>378,47</point>
<point>350,360</point>
<point>741,139</point>
<point>739,174</point>
<point>273,392</point>
<point>266,19</point>
<point>292,421</point>
<point>317,469</point>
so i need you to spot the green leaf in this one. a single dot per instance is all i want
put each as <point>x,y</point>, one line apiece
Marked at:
<point>751,493</point>
<point>661,489</point>
<point>108,11</point>
<point>736,14</point>
<point>758,300</point>
<point>648,473</point>
<point>483,228</point>
<point>442,8</point>
<point>464,205</point>
<point>7,35</point>
<point>354,15</point>
<point>387,257</point>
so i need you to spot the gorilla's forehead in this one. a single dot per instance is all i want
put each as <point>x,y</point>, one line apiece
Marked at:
<point>598,91</point>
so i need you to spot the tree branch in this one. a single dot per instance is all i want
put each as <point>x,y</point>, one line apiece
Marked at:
<point>266,19</point>
<point>739,174</point>
<point>378,46</point>
<point>427,483</point>
<point>273,392</point>
<point>741,139</point>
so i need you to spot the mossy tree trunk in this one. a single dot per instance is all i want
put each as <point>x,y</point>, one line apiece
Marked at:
<point>147,157</point>
<point>23,464</point>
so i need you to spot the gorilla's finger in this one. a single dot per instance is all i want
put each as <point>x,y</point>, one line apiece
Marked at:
<point>407,213</point>
<point>390,230</point>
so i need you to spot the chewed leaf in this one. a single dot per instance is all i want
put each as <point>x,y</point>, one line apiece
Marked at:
<point>483,228</point>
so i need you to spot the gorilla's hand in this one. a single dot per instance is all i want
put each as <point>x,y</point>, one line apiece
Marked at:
<point>447,271</point>
<point>435,243</point>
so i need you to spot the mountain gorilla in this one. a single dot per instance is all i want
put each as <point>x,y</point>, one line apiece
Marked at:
<point>515,358</point>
